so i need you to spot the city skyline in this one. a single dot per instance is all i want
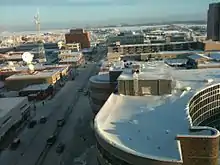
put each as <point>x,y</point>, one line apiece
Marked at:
<point>91,12</point>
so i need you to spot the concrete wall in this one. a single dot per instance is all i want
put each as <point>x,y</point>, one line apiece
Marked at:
<point>145,87</point>
<point>99,93</point>
<point>199,150</point>
<point>119,156</point>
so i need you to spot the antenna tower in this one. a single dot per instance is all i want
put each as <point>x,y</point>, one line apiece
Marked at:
<point>38,39</point>
<point>37,23</point>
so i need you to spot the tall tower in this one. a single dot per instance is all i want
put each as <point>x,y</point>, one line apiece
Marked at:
<point>213,19</point>
<point>39,41</point>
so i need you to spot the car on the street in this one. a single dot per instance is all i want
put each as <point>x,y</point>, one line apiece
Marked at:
<point>51,140</point>
<point>15,143</point>
<point>60,148</point>
<point>32,123</point>
<point>85,93</point>
<point>60,122</point>
<point>43,120</point>
<point>80,90</point>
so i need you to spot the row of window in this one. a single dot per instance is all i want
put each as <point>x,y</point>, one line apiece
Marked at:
<point>205,109</point>
<point>203,101</point>
<point>109,157</point>
<point>205,104</point>
<point>205,116</point>
<point>212,121</point>
<point>206,92</point>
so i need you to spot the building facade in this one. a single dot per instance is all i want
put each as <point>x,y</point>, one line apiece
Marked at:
<point>213,22</point>
<point>78,36</point>
<point>151,48</point>
<point>100,89</point>
<point>125,39</point>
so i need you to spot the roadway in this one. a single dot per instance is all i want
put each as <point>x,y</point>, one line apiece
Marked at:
<point>77,135</point>
<point>33,141</point>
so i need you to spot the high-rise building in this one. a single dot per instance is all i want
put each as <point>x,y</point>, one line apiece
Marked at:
<point>78,36</point>
<point>213,22</point>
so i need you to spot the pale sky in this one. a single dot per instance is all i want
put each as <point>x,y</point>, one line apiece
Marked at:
<point>21,12</point>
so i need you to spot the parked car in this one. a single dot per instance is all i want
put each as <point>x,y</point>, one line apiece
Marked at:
<point>60,148</point>
<point>15,143</point>
<point>60,122</point>
<point>51,140</point>
<point>43,120</point>
<point>80,90</point>
<point>32,123</point>
<point>86,93</point>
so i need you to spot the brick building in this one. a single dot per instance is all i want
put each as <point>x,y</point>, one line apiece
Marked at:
<point>78,36</point>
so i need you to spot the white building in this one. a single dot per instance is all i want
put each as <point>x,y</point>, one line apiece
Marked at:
<point>12,110</point>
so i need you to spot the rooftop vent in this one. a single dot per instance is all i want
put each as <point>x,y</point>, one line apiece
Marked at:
<point>208,81</point>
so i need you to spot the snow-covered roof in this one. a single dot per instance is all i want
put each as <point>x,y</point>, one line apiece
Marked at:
<point>148,125</point>
<point>36,75</point>
<point>7,104</point>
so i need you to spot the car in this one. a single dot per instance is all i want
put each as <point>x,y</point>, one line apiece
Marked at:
<point>15,143</point>
<point>60,122</point>
<point>51,140</point>
<point>32,123</point>
<point>43,120</point>
<point>80,90</point>
<point>86,93</point>
<point>60,148</point>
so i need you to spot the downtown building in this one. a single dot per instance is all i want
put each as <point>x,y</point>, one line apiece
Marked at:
<point>161,116</point>
<point>78,36</point>
<point>213,22</point>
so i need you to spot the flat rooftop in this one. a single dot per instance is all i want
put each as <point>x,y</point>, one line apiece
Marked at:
<point>148,125</point>
<point>7,104</point>
<point>36,75</point>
